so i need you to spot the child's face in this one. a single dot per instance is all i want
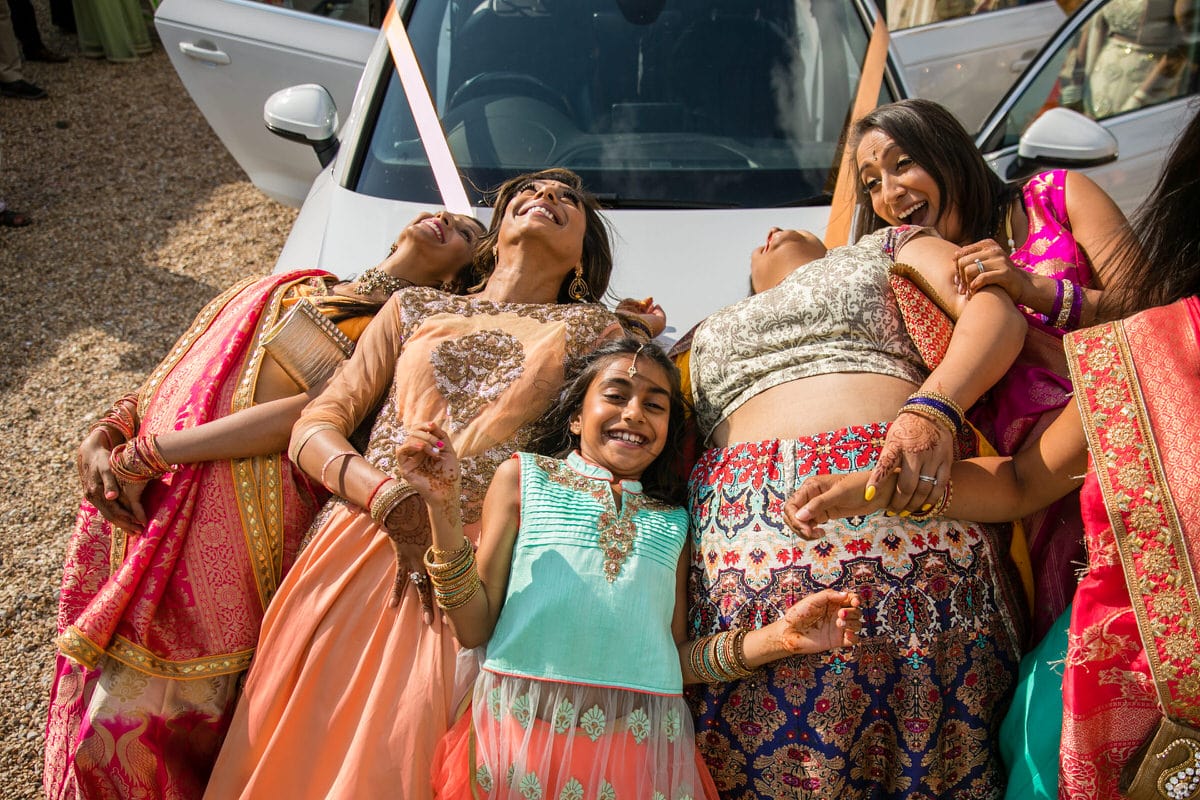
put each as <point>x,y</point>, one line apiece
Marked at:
<point>622,424</point>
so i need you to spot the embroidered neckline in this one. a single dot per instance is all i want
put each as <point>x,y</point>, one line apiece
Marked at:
<point>615,528</point>
<point>586,468</point>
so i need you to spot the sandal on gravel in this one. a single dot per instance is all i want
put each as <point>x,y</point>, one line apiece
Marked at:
<point>14,219</point>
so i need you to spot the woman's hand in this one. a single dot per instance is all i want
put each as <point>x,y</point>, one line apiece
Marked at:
<point>985,263</point>
<point>429,464</point>
<point>648,312</point>
<point>818,622</point>
<point>824,497</point>
<point>101,488</point>
<point>922,452</point>
<point>427,460</point>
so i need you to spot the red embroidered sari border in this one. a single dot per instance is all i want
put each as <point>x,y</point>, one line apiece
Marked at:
<point>1147,528</point>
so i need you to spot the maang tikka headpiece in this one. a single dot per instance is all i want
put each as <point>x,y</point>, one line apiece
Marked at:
<point>633,366</point>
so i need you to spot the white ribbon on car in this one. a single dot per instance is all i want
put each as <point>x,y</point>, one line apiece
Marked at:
<point>433,138</point>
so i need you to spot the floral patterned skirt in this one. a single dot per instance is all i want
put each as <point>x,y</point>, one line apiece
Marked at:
<point>530,739</point>
<point>912,711</point>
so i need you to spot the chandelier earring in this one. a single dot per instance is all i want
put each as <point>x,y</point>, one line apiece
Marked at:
<point>578,289</point>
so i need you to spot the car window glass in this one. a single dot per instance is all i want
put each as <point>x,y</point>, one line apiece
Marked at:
<point>901,14</point>
<point>1130,54</point>
<point>715,103</point>
<point>361,12</point>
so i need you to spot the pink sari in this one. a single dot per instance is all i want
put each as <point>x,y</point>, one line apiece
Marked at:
<point>1033,393</point>
<point>155,628</point>
<point>1138,389</point>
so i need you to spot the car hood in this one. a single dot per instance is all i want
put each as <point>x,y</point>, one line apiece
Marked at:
<point>692,262</point>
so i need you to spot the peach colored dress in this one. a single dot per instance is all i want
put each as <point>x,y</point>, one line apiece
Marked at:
<point>347,697</point>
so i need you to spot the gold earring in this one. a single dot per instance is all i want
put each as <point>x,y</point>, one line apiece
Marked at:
<point>578,289</point>
<point>495,252</point>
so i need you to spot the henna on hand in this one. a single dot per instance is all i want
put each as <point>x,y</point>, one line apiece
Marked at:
<point>913,434</point>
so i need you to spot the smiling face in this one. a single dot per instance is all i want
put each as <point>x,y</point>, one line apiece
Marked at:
<point>550,213</point>
<point>901,191</point>
<point>623,421</point>
<point>437,245</point>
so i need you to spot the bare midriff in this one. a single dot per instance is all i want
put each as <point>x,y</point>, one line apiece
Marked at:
<point>809,406</point>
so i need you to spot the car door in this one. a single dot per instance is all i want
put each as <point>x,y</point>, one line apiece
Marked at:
<point>968,63</point>
<point>233,54</point>
<point>1133,66</point>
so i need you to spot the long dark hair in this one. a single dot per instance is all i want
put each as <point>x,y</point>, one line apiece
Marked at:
<point>936,140</point>
<point>597,258</point>
<point>552,435</point>
<point>1163,264</point>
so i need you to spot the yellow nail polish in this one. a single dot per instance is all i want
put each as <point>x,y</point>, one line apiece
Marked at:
<point>869,494</point>
<point>889,513</point>
<point>927,506</point>
<point>904,513</point>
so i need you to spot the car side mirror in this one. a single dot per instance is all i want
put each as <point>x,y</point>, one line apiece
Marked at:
<point>306,114</point>
<point>1066,138</point>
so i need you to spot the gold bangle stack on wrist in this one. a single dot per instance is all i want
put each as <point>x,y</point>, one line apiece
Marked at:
<point>388,499</point>
<point>635,327</point>
<point>121,419</point>
<point>138,460</point>
<point>453,575</point>
<point>937,408</point>
<point>721,657</point>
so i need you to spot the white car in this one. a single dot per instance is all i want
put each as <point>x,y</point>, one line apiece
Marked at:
<point>699,123</point>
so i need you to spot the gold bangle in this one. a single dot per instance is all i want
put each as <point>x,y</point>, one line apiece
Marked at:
<point>931,414</point>
<point>435,558</point>
<point>939,507</point>
<point>388,499</point>
<point>296,445</point>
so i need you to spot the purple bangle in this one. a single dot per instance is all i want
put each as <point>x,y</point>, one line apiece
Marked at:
<point>1056,309</point>
<point>1076,309</point>
<point>937,405</point>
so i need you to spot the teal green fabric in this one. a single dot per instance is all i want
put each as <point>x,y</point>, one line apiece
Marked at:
<point>112,29</point>
<point>563,618</point>
<point>1032,730</point>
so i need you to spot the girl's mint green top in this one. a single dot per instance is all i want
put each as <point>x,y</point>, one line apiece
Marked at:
<point>592,588</point>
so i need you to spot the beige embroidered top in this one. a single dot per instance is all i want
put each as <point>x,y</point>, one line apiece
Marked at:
<point>836,314</point>
<point>493,367</point>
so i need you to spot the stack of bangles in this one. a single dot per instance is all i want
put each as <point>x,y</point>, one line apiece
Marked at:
<point>138,460</point>
<point>936,408</point>
<point>635,326</point>
<point>453,575</point>
<point>387,499</point>
<point>1068,306</point>
<point>120,419</point>
<point>721,657</point>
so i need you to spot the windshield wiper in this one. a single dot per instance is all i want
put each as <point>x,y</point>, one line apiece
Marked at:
<point>823,199</point>
<point>613,200</point>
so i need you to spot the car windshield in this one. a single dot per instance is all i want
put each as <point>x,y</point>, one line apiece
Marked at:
<point>675,103</point>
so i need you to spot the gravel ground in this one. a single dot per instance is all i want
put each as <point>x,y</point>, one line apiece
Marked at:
<point>140,218</point>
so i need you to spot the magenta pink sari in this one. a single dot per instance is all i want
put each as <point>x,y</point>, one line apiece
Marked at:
<point>1035,390</point>
<point>155,628</point>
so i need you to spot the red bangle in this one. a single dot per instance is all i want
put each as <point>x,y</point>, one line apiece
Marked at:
<point>375,491</point>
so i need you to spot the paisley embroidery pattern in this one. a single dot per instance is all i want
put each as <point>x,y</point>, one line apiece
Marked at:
<point>473,371</point>
<point>914,707</point>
